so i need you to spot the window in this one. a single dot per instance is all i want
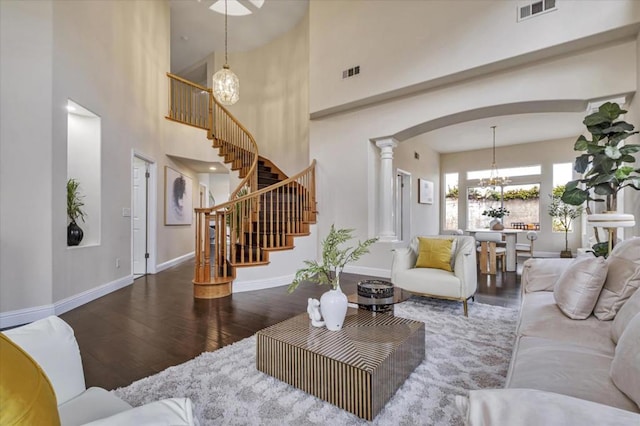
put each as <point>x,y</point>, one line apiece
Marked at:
<point>522,202</point>
<point>562,173</point>
<point>451,201</point>
<point>511,172</point>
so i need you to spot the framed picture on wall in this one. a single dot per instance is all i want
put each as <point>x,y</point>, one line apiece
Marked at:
<point>425,191</point>
<point>178,198</point>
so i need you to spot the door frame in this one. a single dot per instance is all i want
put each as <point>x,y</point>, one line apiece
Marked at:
<point>152,204</point>
<point>402,203</point>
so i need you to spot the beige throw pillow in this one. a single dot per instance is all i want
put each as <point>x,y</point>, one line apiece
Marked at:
<point>624,316</point>
<point>622,281</point>
<point>625,367</point>
<point>577,289</point>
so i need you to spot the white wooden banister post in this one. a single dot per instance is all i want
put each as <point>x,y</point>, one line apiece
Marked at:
<point>387,232</point>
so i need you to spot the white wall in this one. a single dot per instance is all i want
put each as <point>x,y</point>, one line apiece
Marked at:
<point>110,57</point>
<point>274,96</point>
<point>341,144</point>
<point>25,154</point>
<point>545,154</point>
<point>404,44</point>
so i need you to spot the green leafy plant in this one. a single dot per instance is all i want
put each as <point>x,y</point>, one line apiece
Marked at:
<point>74,201</point>
<point>498,213</point>
<point>563,215</point>
<point>603,164</point>
<point>334,259</point>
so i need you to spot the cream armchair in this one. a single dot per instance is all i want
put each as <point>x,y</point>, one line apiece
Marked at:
<point>461,284</point>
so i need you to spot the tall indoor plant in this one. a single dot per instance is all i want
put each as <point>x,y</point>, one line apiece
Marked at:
<point>564,214</point>
<point>74,212</point>
<point>333,304</point>
<point>604,162</point>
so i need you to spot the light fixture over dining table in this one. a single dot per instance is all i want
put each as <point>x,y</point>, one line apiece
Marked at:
<point>494,178</point>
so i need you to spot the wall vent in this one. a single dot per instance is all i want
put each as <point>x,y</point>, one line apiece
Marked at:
<point>535,8</point>
<point>351,72</point>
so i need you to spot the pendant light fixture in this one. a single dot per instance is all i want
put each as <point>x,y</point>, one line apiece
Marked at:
<point>494,178</point>
<point>226,86</point>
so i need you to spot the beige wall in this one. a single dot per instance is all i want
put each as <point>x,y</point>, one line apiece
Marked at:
<point>274,96</point>
<point>403,43</point>
<point>545,154</point>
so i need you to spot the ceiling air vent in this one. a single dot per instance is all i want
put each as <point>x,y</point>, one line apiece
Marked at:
<point>535,8</point>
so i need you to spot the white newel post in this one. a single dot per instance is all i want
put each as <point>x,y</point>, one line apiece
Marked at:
<point>387,232</point>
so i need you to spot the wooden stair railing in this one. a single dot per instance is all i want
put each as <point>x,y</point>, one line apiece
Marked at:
<point>248,228</point>
<point>261,217</point>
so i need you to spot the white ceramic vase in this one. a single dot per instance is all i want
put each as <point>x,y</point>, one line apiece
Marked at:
<point>333,306</point>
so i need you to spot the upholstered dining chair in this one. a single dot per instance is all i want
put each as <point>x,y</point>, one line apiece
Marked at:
<point>489,252</point>
<point>527,247</point>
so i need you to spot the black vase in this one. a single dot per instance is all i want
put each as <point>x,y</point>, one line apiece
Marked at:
<point>74,234</point>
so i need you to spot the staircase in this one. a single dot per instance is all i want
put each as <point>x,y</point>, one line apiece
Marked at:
<point>266,211</point>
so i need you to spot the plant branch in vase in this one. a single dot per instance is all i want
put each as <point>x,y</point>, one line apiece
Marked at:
<point>563,215</point>
<point>334,260</point>
<point>74,212</point>
<point>497,215</point>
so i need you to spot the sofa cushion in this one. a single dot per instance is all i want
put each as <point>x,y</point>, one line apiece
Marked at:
<point>434,253</point>
<point>565,368</point>
<point>629,310</point>
<point>625,368</point>
<point>623,278</point>
<point>429,281</point>
<point>541,317</point>
<point>90,405</point>
<point>577,289</point>
<point>26,395</point>
<point>166,412</point>
<point>52,344</point>
<point>542,274</point>
<point>512,406</point>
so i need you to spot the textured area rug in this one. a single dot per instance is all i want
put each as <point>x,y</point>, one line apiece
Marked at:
<point>462,354</point>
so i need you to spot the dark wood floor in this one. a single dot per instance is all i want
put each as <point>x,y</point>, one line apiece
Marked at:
<point>156,323</point>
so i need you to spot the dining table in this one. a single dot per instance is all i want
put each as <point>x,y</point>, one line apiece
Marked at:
<point>510,237</point>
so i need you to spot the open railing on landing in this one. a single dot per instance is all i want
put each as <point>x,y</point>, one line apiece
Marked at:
<point>251,225</point>
<point>195,105</point>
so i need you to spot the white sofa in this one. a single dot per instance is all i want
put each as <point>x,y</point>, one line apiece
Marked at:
<point>460,284</point>
<point>52,345</point>
<point>567,371</point>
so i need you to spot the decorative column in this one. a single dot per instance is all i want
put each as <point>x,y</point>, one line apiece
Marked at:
<point>387,232</point>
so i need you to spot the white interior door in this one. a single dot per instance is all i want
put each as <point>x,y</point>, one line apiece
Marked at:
<point>139,215</point>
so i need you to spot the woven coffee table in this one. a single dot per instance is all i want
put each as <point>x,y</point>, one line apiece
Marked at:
<point>358,368</point>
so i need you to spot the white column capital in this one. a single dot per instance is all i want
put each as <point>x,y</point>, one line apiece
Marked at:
<point>386,143</point>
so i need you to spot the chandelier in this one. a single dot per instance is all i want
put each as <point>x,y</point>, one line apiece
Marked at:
<point>226,86</point>
<point>494,178</point>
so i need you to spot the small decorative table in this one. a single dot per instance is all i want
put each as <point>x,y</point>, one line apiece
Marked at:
<point>358,368</point>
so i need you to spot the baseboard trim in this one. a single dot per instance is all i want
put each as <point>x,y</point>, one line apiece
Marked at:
<point>27,315</point>
<point>69,303</point>
<point>24,316</point>
<point>173,262</point>
<point>240,287</point>
<point>364,270</point>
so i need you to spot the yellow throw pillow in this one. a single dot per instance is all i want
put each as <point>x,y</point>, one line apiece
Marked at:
<point>434,253</point>
<point>26,395</point>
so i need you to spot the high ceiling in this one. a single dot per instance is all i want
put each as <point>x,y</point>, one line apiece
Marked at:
<point>197,31</point>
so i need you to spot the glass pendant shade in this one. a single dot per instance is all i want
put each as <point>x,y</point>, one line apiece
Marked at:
<point>226,86</point>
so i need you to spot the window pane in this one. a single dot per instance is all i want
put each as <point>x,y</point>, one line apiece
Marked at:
<point>522,202</point>
<point>510,172</point>
<point>451,201</point>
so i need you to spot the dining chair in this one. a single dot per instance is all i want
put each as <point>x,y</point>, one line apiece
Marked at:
<point>527,247</point>
<point>490,252</point>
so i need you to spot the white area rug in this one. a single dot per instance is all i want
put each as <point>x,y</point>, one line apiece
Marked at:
<point>461,354</point>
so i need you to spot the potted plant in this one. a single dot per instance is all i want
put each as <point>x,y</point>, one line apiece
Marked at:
<point>497,215</point>
<point>563,215</point>
<point>74,212</point>
<point>333,304</point>
<point>604,162</point>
